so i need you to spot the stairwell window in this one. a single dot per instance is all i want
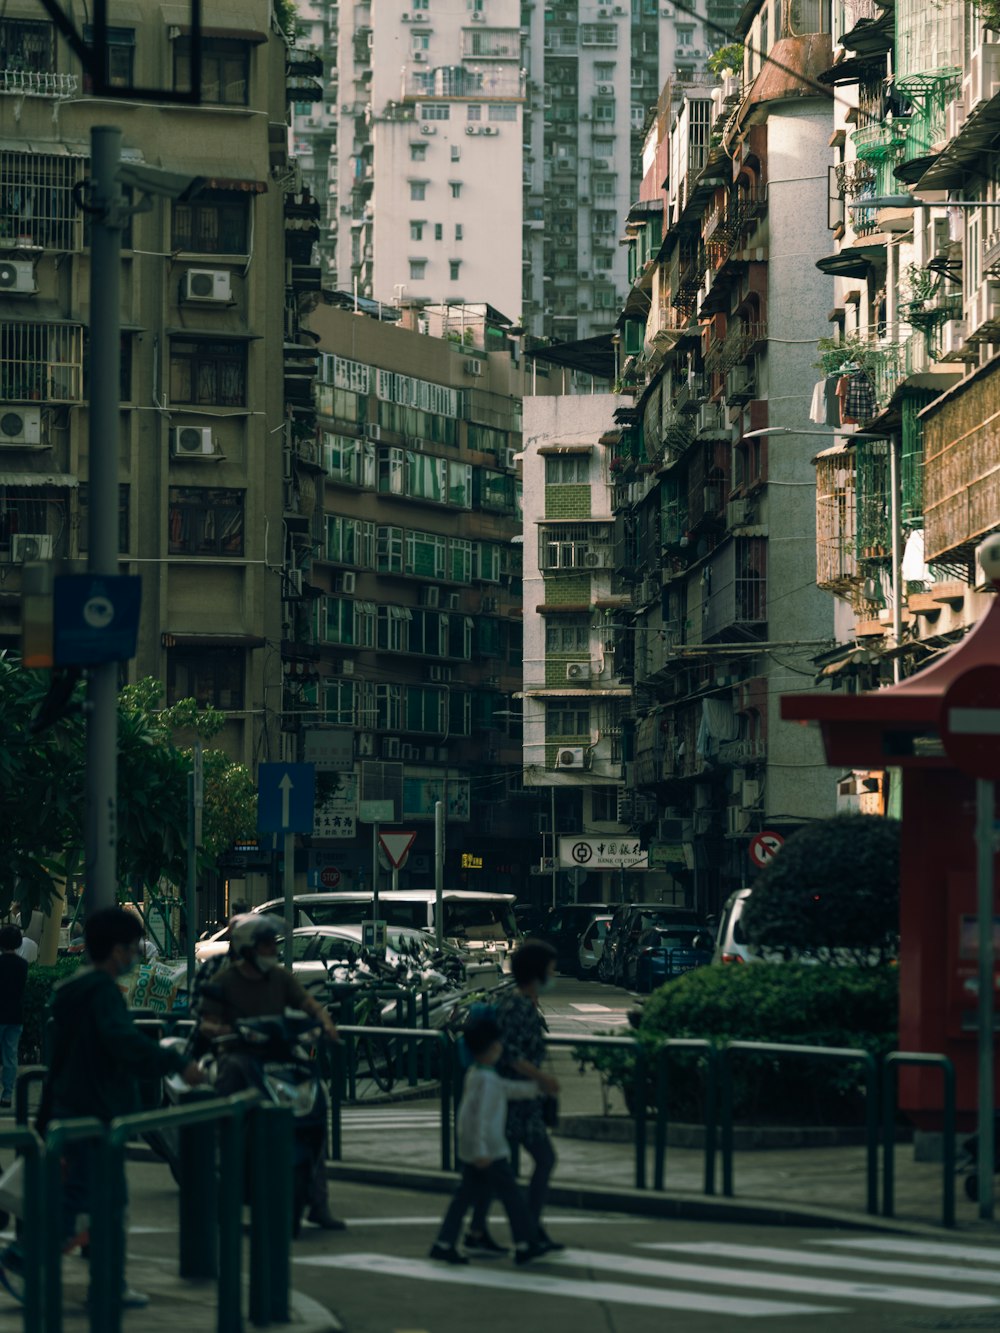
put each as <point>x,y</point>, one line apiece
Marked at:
<point>225,70</point>
<point>456,189</point>
<point>567,722</point>
<point>208,371</point>
<point>454,269</point>
<point>215,223</point>
<point>214,677</point>
<point>205,520</point>
<point>418,190</point>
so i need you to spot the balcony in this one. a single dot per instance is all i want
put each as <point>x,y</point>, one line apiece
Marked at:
<point>457,81</point>
<point>734,589</point>
<point>34,83</point>
<point>961,479</point>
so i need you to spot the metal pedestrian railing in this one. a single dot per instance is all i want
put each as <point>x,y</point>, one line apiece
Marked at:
<point>230,1147</point>
<point>847,1054</point>
<point>893,1062</point>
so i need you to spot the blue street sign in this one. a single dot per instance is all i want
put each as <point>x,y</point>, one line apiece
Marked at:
<point>95,618</point>
<point>286,794</point>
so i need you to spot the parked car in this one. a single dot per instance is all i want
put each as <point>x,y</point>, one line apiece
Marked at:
<point>529,918</point>
<point>317,951</point>
<point>480,923</point>
<point>562,929</point>
<point>731,943</point>
<point>665,953</point>
<point>591,947</point>
<point>630,920</point>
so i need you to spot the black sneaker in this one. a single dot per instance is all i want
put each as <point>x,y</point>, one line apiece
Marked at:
<point>547,1243</point>
<point>447,1254</point>
<point>529,1252</point>
<point>483,1244</point>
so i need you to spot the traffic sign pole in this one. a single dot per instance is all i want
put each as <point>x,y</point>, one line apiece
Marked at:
<point>375,870</point>
<point>288,887</point>
<point>985,804</point>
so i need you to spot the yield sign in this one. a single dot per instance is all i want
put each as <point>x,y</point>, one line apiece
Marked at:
<point>396,846</point>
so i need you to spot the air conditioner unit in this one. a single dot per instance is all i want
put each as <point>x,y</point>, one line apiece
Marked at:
<point>584,115</point>
<point>596,559</point>
<point>20,426</point>
<point>982,81</point>
<point>578,671</point>
<point>737,513</point>
<point>428,129</point>
<point>208,285</point>
<point>430,596</point>
<point>750,794</point>
<point>346,667</point>
<point>707,418</point>
<point>604,13</point>
<point>472,129</point>
<point>420,57</point>
<point>952,341</point>
<point>17,275</point>
<point>737,382</point>
<point>510,458</point>
<point>347,583</point>
<point>373,431</point>
<point>191,442</point>
<point>573,757</point>
<point>983,309</point>
<point>954,118</point>
<point>391,746</point>
<point>619,9</point>
<point>478,18</point>
<point>605,89</point>
<point>601,166</point>
<point>294,577</point>
<point>737,820</point>
<point>366,744</point>
<point>25,546</point>
<point>490,129</point>
<point>405,18</point>
<point>473,367</point>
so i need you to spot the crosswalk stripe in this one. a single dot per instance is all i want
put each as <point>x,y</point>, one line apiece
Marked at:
<point>973,1254</point>
<point>704,1275</point>
<point>613,1292</point>
<point>766,1254</point>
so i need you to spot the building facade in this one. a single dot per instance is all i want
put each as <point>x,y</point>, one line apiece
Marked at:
<point>403,632</point>
<point>203,316</point>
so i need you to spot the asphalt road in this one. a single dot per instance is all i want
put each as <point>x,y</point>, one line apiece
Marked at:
<point>619,1273</point>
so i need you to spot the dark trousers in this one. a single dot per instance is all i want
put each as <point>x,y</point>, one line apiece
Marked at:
<point>544,1157</point>
<point>475,1190</point>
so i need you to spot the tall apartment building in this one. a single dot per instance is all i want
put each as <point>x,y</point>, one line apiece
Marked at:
<point>418,149</point>
<point>202,380</point>
<point>449,125</point>
<point>917,317</point>
<point>575,696</point>
<point>403,634</point>
<point>715,521</point>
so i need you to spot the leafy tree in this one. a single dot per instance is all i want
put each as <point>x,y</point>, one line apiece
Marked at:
<point>42,788</point>
<point>727,57</point>
<point>832,891</point>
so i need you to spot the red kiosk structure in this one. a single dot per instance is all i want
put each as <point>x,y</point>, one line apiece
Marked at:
<point>902,727</point>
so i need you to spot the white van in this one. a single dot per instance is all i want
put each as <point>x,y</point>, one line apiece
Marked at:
<point>482,923</point>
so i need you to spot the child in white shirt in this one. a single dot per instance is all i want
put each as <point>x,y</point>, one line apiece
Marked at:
<point>483,1149</point>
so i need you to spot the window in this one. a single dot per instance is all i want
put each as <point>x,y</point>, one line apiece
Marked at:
<point>454,266</point>
<point>426,555</point>
<point>685,36</point>
<point>36,200</point>
<point>604,111</point>
<point>420,4</point>
<point>426,477</point>
<point>27,47</point>
<point>416,231</point>
<point>83,517</point>
<point>40,362</point>
<point>212,676</point>
<point>418,152</point>
<point>459,713</point>
<point>425,709</point>
<point>392,629</point>
<point>339,624</point>
<point>347,460</point>
<point>604,147</point>
<point>418,190</point>
<point>121,56</point>
<point>216,222</point>
<point>456,152</point>
<point>503,111</point>
<point>567,469</point>
<point>456,189</point>
<point>436,111</point>
<point>563,721</point>
<point>209,371</point>
<point>460,560</point>
<point>388,707</point>
<point>604,805</point>
<point>460,485</point>
<point>604,71</point>
<point>421,41</point>
<point>205,520</point>
<point>458,231</point>
<point>438,231</point>
<point>389,550</point>
<point>568,634</point>
<point>418,269</point>
<point>225,70</point>
<point>474,111</point>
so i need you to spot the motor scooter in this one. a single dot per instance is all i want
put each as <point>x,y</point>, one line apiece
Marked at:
<point>273,1057</point>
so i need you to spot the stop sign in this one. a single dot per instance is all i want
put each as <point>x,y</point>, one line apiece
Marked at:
<point>970,722</point>
<point>329,877</point>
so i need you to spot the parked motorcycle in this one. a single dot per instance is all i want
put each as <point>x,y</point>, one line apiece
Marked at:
<point>272,1056</point>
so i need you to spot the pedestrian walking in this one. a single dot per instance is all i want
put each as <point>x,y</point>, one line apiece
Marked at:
<point>98,1059</point>
<point>522,1032</point>
<point>13,979</point>
<point>483,1149</point>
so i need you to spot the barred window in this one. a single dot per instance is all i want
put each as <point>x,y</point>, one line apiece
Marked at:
<point>208,371</point>
<point>225,70</point>
<point>36,200</point>
<point>41,362</point>
<point>206,520</point>
<point>215,223</point>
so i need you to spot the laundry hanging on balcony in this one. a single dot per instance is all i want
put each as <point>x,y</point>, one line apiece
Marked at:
<point>717,724</point>
<point>825,408</point>
<point>857,397</point>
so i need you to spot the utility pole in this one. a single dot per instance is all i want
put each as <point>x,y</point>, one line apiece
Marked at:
<point>107,205</point>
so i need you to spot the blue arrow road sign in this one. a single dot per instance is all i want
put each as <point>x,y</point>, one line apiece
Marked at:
<point>286,794</point>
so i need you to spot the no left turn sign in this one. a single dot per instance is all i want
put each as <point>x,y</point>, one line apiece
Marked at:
<point>764,847</point>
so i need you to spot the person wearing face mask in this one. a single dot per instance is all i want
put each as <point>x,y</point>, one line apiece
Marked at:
<point>522,1031</point>
<point>255,985</point>
<point>98,1058</point>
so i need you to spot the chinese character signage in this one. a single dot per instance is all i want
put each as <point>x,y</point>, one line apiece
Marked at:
<point>338,816</point>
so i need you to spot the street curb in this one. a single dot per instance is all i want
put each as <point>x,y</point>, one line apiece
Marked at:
<point>646,1203</point>
<point>310,1317</point>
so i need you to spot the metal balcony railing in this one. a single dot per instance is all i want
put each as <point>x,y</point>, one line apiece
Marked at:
<point>32,83</point>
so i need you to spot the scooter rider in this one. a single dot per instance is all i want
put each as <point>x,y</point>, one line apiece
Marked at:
<point>255,985</point>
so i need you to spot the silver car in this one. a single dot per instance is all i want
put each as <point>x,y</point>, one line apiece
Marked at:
<point>592,946</point>
<point>318,951</point>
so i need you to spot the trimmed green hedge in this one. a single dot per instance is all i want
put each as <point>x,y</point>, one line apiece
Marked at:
<point>791,1003</point>
<point>37,994</point>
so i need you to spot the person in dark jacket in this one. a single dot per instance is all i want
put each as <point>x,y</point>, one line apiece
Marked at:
<point>13,978</point>
<point>98,1057</point>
